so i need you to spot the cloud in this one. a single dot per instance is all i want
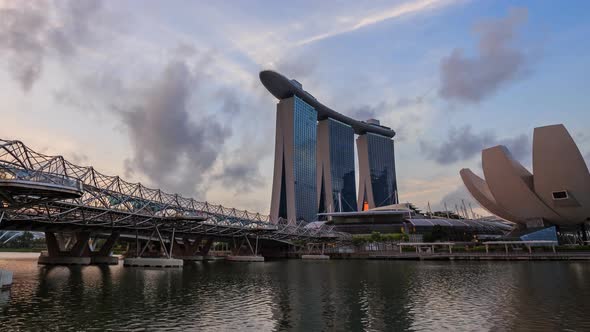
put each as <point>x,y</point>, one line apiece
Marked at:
<point>295,66</point>
<point>407,116</point>
<point>168,147</point>
<point>415,189</point>
<point>77,158</point>
<point>498,62</point>
<point>365,112</point>
<point>29,31</point>
<point>178,118</point>
<point>407,8</point>
<point>463,144</point>
<point>407,102</point>
<point>242,173</point>
<point>456,198</point>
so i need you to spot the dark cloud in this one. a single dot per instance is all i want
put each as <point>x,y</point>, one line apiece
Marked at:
<point>77,158</point>
<point>366,112</point>
<point>408,102</point>
<point>27,35</point>
<point>185,50</point>
<point>21,41</point>
<point>463,144</point>
<point>240,170</point>
<point>168,147</point>
<point>178,124</point>
<point>230,101</point>
<point>499,61</point>
<point>178,118</point>
<point>98,92</point>
<point>241,174</point>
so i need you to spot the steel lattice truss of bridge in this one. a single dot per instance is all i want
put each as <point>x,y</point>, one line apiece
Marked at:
<point>41,192</point>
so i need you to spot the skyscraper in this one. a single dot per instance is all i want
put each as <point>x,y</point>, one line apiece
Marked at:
<point>335,171</point>
<point>377,180</point>
<point>294,182</point>
<point>314,156</point>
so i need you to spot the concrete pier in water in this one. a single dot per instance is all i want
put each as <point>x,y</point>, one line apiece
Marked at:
<point>104,260</point>
<point>45,259</point>
<point>5,279</point>
<point>196,258</point>
<point>315,257</point>
<point>75,249</point>
<point>245,258</point>
<point>153,262</point>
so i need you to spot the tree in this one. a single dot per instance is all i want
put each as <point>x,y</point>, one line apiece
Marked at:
<point>376,237</point>
<point>438,233</point>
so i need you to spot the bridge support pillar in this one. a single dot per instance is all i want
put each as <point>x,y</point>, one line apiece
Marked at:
<point>166,261</point>
<point>206,247</point>
<point>313,254</point>
<point>204,251</point>
<point>53,248</point>
<point>76,250</point>
<point>104,255</point>
<point>188,250</point>
<point>244,250</point>
<point>56,255</point>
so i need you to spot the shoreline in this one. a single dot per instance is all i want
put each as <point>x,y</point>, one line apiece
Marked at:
<point>540,256</point>
<point>8,255</point>
<point>573,256</point>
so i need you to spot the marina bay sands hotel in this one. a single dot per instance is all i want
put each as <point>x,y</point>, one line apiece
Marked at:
<point>314,168</point>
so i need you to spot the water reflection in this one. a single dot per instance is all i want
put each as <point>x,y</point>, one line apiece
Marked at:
<point>297,295</point>
<point>4,298</point>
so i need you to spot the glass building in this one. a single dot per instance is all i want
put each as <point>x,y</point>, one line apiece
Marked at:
<point>336,173</point>
<point>314,166</point>
<point>378,184</point>
<point>294,183</point>
<point>304,162</point>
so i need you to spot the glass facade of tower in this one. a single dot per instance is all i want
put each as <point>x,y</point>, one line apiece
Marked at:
<point>382,168</point>
<point>304,159</point>
<point>342,166</point>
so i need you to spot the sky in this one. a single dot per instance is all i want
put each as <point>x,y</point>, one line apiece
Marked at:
<point>167,93</point>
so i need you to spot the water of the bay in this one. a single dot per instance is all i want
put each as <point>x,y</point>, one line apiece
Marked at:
<point>337,295</point>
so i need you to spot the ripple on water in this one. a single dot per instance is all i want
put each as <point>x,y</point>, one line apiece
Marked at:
<point>298,295</point>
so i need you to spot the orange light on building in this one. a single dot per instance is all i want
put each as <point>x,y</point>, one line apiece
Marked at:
<point>365,206</point>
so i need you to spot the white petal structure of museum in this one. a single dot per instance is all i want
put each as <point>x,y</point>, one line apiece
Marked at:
<point>556,193</point>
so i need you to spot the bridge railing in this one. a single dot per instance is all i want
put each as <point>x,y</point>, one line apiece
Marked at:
<point>133,200</point>
<point>8,173</point>
<point>25,163</point>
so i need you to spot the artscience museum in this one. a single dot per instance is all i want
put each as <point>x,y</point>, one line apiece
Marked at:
<point>555,195</point>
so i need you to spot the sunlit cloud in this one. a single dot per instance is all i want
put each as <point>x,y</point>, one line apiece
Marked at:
<point>350,25</point>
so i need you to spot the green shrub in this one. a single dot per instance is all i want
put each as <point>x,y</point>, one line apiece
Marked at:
<point>573,248</point>
<point>459,249</point>
<point>358,240</point>
<point>478,249</point>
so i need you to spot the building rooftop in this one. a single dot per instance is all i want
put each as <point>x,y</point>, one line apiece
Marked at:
<point>282,88</point>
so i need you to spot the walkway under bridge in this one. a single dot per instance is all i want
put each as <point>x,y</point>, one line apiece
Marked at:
<point>50,194</point>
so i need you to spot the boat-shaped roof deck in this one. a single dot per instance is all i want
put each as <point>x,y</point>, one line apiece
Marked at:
<point>282,87</point>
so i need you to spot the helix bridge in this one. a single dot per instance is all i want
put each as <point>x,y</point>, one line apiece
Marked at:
<point>49,193</point>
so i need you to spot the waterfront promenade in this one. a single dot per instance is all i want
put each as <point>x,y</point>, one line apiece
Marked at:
<point>482,256</point>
